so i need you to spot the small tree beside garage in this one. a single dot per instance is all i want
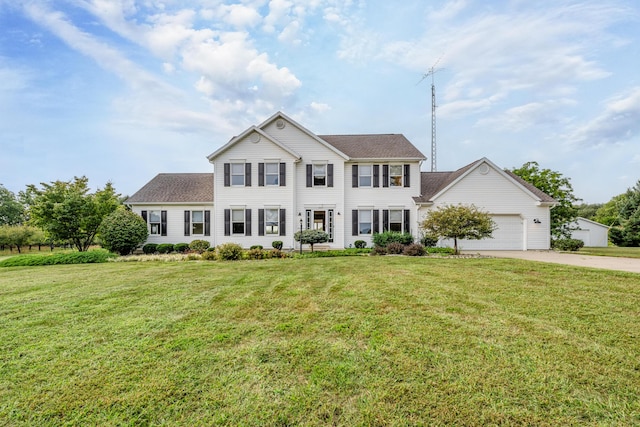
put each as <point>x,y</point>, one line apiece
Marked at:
<point>458,222</point>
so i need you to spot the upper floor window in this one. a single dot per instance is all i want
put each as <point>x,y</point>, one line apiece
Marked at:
<point>272,173</point>
<point>364,175</point>
<point>395,175</point>
<point>319,175</point>
<point>237,173</point>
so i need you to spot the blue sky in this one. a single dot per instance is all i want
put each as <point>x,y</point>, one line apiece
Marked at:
<point>120,90</point>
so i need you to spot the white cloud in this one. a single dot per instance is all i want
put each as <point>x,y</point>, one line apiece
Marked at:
<point>619,122</point>
<point>528,47</point>
<point>320,107</point>
<point>515,119</point>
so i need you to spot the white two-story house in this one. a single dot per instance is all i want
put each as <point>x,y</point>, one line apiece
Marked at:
<point>277,178</point>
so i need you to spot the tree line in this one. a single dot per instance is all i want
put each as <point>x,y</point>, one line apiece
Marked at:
<point>66,213</point>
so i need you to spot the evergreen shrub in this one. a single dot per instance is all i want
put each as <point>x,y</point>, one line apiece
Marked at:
<point>165,248</point>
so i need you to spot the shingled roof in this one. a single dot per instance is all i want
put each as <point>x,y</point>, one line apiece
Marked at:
<point>374,146</point>
<point>434,182</point>
<point>176,188</point>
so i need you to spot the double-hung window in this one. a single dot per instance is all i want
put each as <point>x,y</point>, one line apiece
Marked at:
<point>364,175</point>
<point>395,175</point>
<point>197,223</point>
<point>395,220</point>
<point>237,221</point>
<point>319,175</point>
<point>271,221</point>
<point>155,222</point>
<point>365,220</point>
<point>237,173</point>
<point>272,173</point>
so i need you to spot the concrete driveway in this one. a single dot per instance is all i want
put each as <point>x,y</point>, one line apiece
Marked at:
<point>608,263</point>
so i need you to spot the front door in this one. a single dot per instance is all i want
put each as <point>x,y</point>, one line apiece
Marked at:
<point>319,222</point>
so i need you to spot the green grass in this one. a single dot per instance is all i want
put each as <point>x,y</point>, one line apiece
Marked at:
<point>613,251</point>
<point>372,341</point>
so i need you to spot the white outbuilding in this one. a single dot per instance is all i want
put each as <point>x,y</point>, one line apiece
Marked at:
<point>592,233</point>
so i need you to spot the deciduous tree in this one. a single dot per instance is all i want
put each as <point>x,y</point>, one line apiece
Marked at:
<point>557,186</point>
<point>11,210</point>
<point>67,211</point>
<point>623,213</point>
<point>122,231</point>
<point>458,222</point>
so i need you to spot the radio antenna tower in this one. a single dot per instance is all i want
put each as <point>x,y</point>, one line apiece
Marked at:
<point>432,71</point>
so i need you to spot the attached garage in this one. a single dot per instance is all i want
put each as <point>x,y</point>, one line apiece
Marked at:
<point>509,235</point>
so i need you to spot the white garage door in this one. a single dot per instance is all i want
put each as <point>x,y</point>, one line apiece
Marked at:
<point>509,235</point>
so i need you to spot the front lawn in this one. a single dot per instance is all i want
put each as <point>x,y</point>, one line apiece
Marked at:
<point>319,341</point>
<point>613,251</point>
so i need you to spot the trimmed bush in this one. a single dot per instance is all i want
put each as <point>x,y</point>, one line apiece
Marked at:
<point>88,257</point>
<point>208,255</point>
<point>150,248</point>
<point>387,237</point>
<point>379,250</point>
<point>165,248</point>
<point>122,231</point>
<point>414,249</point>
<point>256,247</point>
<point>181,247</point>
<point>567,244</point>
<point>255,253</point>
<point>443,251</point>
<point>429,241</point>
<point>229,252</point>
<point>277,244</point>
<point>395,248</point>
<point>360,244</point>
<point>199,245</point>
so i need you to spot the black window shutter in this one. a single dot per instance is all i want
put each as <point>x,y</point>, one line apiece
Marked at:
<point>260,222</point>
<point>163,223</point>
<point>407,219</point>
<point>283,174</point>
<point>354,222</point>
<point>376,175</point>
<point>227,174</point>
<point>143,214</point>
<point>385,175</point>
<point>207,223</point>
<point>227,222</point>
<point>309,177</point>
<point>260,174</point>
<point>376,221</point>
<point>247,222</point>
<point>354,176</point>
<point>330,175</point>
<point>407,173</point>
<point>283,222</point>
<point>247,174</point>
<point>385,220</point>
<point>187,223</point>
